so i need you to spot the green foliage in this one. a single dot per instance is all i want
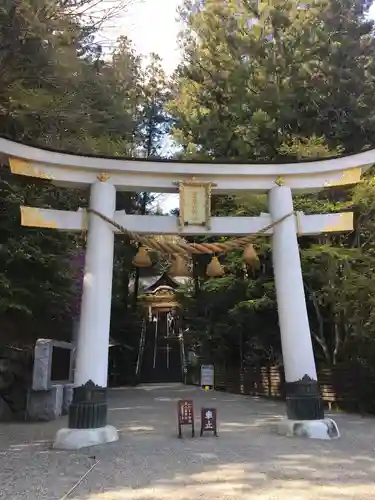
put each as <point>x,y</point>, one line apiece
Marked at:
<point>154,122</point>
<point>277,81</point>
<point>313,147</point>
<point>340,287</point>
<point>36,291</point>
<point>57,90</point>
<point>259,81</point>
<point>254,78</point>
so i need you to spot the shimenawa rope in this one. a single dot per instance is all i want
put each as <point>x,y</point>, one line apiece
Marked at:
<point>182,248</point>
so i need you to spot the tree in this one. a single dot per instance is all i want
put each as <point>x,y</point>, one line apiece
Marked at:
<point>155,122</point>
<point>56,91</point>
<point>254,77</point>
<point>275,81</point>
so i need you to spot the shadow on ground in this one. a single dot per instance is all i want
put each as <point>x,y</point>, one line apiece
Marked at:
<point>247,461</point>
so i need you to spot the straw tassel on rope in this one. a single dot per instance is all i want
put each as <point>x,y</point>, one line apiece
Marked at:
<point>214,268</point>
<point>142,259</point>
<point>250,257</point>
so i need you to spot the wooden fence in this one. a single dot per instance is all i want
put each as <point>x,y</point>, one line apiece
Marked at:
<point>350,388</point>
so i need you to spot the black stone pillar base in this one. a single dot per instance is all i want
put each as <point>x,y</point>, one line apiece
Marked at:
<point>88,409</point>
<point>303,400</point>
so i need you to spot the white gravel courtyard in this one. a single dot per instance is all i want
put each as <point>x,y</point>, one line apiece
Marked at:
<point>247,461</point>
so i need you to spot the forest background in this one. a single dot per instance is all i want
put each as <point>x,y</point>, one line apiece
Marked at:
<point>266,81</point>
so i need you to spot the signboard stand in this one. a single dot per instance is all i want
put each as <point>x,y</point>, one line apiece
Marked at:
<point>185,410</point>
<point>209,420</point>
<point>207,377</point>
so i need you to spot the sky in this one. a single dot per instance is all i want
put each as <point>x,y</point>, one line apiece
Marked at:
<point>152,26</point>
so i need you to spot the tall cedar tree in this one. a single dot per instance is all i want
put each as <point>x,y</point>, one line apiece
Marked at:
<point>278,80</point>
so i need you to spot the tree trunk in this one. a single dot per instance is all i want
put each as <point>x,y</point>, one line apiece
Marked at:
<point>319,336</point>
<point>337,341</point>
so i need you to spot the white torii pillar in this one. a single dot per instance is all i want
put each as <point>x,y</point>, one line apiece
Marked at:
<point>305,410</point>
<point>88,410</point>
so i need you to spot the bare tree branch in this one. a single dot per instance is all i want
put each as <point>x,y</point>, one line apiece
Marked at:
<point>98,13</point>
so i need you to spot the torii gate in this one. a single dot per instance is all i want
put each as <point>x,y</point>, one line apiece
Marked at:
<point>88,412</point>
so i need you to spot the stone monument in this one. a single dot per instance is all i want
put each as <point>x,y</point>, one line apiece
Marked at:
<point>52,384</point>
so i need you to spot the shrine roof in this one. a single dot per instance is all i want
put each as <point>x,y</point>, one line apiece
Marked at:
<point>150,283</point>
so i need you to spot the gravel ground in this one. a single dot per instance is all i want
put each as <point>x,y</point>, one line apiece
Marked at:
<point>247,461</point>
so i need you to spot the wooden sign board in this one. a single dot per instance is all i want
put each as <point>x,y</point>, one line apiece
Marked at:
<point>185,410</point>
<point>195,203</point>
<point>209,420</point>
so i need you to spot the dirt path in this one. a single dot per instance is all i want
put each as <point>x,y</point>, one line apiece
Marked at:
<point>248,461</point>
